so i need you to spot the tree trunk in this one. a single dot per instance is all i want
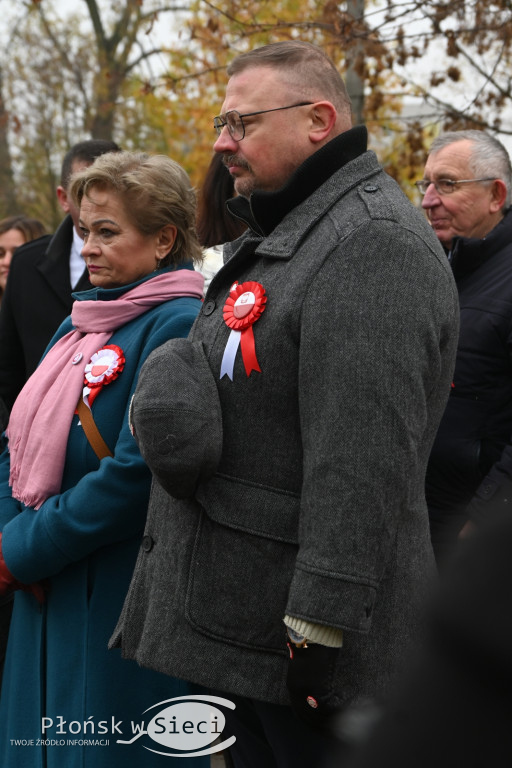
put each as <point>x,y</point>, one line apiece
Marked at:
<point>355,59</point>
<point>8,205</point>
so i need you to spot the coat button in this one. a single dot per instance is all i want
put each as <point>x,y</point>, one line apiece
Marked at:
<point>147,543</point>
<point>371,188</point>
<point>208,307</point>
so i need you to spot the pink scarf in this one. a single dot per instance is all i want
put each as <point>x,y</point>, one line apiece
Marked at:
<point>42,414</point>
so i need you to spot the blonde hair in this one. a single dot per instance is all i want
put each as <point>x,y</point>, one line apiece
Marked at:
<point>154,189</point>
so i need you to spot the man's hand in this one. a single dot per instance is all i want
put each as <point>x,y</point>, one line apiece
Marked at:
<point>310,683</point>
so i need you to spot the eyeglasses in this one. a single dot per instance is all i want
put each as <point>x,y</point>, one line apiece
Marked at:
<point>447,186</point>
<point>235,123</point>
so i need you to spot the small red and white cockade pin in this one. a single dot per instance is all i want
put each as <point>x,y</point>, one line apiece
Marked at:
<point>104,367</point>
<point>244,305</point>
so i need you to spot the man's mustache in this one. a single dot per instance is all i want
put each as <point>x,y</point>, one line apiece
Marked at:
<point>235,160</point>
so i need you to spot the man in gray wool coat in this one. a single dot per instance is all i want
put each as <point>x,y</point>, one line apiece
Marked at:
<point>287,554</point>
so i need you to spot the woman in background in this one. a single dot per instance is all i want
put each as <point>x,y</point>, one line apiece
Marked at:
<point>15,231</point>
<point>215,225</point>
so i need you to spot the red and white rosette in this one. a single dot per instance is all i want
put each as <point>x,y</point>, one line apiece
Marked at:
<point>244,305</point>
<point>104,367</point>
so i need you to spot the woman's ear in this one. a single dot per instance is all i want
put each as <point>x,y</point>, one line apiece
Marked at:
<point>165,240</point>
<point>323,118</point>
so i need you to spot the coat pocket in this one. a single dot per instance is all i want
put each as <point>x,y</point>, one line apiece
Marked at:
<point>243,562</point>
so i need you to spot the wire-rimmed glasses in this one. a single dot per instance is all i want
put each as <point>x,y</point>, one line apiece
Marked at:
<point>235,123</point>
<point>447,186</point>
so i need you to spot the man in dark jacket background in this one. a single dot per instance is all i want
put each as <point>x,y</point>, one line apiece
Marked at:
<point>43,274</point>
<point>466,189</point>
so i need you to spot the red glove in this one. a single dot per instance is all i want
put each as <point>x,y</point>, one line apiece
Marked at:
<point>8,583</point>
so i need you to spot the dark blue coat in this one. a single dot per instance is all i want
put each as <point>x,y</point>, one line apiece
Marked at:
<point>470,468</point>
<point>85,541</point>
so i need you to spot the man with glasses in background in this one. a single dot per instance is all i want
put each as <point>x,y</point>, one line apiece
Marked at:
<point>313,381</point>
<point>466,195</point>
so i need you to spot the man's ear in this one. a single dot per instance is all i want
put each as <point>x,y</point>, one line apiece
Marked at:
<point>165,240</point>
<point>323,118</point>
<point>62,197</point>
<point>498,195</point>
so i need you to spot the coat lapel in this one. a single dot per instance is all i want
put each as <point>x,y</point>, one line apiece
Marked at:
<point>54,265</point>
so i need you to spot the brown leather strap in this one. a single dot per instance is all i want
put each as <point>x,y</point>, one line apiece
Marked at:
<point>92,432</point>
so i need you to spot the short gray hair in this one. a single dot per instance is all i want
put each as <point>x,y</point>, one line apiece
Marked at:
<point>488,156</point>
<point>155,190</point>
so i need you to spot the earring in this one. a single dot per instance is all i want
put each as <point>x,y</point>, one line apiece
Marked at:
<point>157,267</point>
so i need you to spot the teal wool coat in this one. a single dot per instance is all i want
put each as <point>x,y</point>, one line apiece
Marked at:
<point>84,541</point>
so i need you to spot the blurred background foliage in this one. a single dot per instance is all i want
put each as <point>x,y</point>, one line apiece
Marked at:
<point>151,74</point>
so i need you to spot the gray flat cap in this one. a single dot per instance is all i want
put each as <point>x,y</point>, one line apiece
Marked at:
<point>175,417</point>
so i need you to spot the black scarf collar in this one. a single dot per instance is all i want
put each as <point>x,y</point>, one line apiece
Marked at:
<point>264,210</point>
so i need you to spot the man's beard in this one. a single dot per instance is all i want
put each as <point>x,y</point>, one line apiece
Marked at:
<point>244,187</point>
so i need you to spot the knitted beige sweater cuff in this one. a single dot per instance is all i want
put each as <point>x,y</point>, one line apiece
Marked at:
<point>316,633</point>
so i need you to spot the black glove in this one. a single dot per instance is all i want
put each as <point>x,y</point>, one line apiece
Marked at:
<point>310,682</point>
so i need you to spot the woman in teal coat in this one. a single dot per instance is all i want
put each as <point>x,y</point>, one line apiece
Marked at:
<point>74,488</point>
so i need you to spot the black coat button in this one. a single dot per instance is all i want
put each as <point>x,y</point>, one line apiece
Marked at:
<point>147,543</point>
<point>371,188</point>
<point>208,307</point>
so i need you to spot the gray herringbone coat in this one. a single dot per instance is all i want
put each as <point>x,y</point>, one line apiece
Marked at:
<point>317,506</point>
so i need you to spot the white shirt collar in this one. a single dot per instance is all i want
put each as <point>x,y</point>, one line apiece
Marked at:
<point>76,262</point>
